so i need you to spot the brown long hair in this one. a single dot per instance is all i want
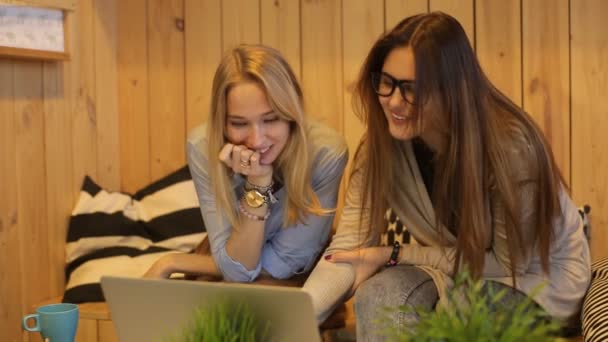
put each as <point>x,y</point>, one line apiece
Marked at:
<point>266,67</point>
<point>476,121</point>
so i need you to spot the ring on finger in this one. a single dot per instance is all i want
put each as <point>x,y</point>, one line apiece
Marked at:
<point>245,163</point>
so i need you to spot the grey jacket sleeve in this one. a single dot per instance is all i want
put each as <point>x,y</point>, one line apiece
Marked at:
<point>329,283</point>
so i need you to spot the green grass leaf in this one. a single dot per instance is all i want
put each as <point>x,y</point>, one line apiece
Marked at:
<point>470,317</point>
<point>223,320</point>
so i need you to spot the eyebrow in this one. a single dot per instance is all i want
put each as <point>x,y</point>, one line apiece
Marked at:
<point>237,116</point>
<point>406,80</point>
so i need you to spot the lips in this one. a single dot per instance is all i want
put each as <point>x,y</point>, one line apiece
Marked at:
<point>262,153</point>
<point>398,117</point>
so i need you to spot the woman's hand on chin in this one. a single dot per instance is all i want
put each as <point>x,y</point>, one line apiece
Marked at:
<point>246,162</point>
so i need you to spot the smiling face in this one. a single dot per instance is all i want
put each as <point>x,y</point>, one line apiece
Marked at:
<point>253,123</point>
<point>399,64</point>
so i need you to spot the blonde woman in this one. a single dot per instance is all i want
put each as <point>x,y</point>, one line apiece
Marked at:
<point>267,179</point>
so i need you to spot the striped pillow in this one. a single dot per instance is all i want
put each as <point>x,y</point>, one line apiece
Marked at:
<point>395,230</point>
<point>595,306</point>
<point>112,233</point>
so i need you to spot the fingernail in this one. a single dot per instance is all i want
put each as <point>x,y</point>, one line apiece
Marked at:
<point>328,257</point>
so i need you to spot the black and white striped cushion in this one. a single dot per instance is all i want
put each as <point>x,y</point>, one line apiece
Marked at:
<point>112,233</point>
<point>595,306</point>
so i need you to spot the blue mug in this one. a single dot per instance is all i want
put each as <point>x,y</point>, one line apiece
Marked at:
<point>57,322</point>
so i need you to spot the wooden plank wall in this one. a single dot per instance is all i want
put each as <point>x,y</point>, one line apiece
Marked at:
<point>589,114</point>
<point>140,77</point>
<point>58,122</point>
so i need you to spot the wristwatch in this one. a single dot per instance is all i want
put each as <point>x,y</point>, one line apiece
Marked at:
<point>255,198</point>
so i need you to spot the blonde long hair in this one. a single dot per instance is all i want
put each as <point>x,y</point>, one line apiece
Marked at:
<point>476,120</point>
<point>266,67</point>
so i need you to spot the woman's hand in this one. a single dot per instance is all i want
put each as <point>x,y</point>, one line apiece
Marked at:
<point>161,269</point>
<point>246,162</point>
<point>365,261</point>
<point>187,263</point>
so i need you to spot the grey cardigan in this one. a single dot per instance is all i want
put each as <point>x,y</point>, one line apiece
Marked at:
<point>569,256</point>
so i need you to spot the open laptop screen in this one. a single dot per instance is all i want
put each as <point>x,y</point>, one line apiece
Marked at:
<point>158,310</point>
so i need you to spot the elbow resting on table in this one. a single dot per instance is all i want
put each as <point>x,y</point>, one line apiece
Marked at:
<point>239,276</point>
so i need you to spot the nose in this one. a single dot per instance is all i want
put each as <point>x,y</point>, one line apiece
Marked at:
<point>255,139</point>
<point>396,100</point>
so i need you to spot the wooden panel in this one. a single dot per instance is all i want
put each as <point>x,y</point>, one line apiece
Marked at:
<point>546,73</point>
<point>82,95</point>
<point>363,23</point>
<point>32,54</point>
<point>322,61</point>
<point>240,22</point>
<point>133,95</point>
<point>87,330</point>
<point>589,48</point>
<point>31,185</point>
<point>203,53</point>
<point>498,44</point>
<point>166,77</point>
<point>108,148</point>
<point>59,4</point>
<point>397,10</point>
<point>462,10</point>
<point>107,332</point>
<point>58,160</point>
<point>280,27</point>
<point>10,263</point>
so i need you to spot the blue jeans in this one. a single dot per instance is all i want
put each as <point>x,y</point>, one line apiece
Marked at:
<point>392,287</point>
<point>402,285</point>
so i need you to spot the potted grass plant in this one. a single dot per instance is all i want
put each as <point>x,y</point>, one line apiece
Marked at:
<point>223,321</point>
<point>470,316</point>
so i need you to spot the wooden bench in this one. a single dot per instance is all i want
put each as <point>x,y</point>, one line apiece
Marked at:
<point>95,323</point>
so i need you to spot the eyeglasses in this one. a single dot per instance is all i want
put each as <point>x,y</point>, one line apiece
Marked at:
<point>385,84</point>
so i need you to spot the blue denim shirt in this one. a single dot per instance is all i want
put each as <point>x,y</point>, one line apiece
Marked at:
<point>286,251</point>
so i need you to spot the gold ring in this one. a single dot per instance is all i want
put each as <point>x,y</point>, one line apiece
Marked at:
<point>245,164</point>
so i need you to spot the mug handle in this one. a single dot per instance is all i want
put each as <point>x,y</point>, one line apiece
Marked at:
<point>35,327</point>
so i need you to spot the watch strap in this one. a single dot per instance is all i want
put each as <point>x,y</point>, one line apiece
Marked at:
<point>392,261</point>
<point>252,216</point>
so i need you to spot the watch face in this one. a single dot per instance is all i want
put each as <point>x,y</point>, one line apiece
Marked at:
<point>254,199</point>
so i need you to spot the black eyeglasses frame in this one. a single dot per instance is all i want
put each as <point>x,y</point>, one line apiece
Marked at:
<point>404,86</point>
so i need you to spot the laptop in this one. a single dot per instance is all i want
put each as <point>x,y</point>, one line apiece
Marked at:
<point>159,309</point>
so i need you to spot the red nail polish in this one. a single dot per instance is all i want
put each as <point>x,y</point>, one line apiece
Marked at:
<point>328,257</point>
